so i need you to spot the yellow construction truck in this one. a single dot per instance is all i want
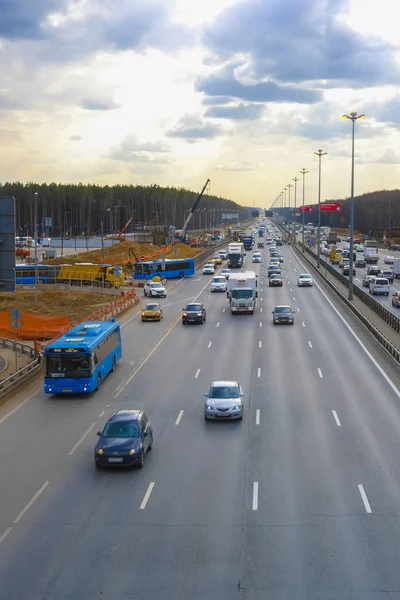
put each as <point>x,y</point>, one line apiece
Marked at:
<point>90,274</point>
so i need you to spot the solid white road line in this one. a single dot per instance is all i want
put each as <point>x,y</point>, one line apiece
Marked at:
<point>335,416</point>
<point>303,324</point>
<point>178,420</point>
<point>320,373</point>
<point>260,344</point>
<point>364,498</point>
<point>310,344</point>
<point>255,495</point>
<point>197,373</point>
<point>258,372</point>
<point>365,349</point>
<point>102,413</point>
<point>5,534</point>
<point>209,344</point>
<point>218,324</point>
<point>257,416</point>
<point>32,501</point>
<point>147,495</point>
<point>81,440</point>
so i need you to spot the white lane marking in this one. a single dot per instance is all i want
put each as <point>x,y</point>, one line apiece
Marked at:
<point>147,495</point>
<point>197,373</point>
<point>294,298</point>
<point>255,495</point>
<point>259,372</point>
<point>260,323</point>
<point>320,373</point>
<point>364,498</point>
<point>260,309</point>
<point>31,501</point>
<point>5,534</point>
<point>356,278</point>
<point>290,289</point>
<point>260,344</point>
<point>209,344</point>
<point>218,324</point>
<point>179,417</point>
<point>14,410</point>
<point>132,362</point>
<point>261,299</point>
<point>81,440</point>
<point>303,324</point>
<point>144,361</point>
<point>367,352</point>
<point>290,260</point>
<point>310,344</point>
<point>298,310</point>
<point>130,319</point>
<point>335,416</point>
<point>223,310</point>
<point>262,290</point>
<point>102,413</point>
<point>257,416</point>
<point>295,269</point>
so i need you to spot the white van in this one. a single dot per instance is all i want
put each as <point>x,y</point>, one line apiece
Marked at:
<point>379,285</point>
<point>46,242</point>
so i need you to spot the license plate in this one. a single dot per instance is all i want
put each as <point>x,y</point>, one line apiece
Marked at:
<point>67,390</point>
<point>115,460</point>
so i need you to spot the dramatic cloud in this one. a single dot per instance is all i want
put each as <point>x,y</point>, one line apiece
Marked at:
<point>22,19</point>
<point>75,138</point>
<point>301,41</point>
<point>131,150</point>
<point>192,128</point>
<point>224,83</point>
<point>98,104</point>
<point>385,112</point>
<point>242,112</point>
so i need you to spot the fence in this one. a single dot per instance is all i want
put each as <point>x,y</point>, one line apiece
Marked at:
<point>23,348</point>
<point>20,378</point>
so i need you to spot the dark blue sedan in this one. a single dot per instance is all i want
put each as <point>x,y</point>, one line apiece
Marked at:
<point>124,441</point>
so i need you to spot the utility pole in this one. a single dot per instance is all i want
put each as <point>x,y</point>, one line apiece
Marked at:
<point>320,154</point>
<point>303,172</point>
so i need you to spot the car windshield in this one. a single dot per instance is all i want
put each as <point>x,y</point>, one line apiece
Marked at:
<point>242,293</point>
<point>78,365</point>
<point>226,271</point>
<point>151,307</point>
<point>193,307</point>
<point>224,392</point>
<point>121,429</point>
<point>156,285</point>
<point>219,280</point>
<point>273,268</point>
<point>283,309</point>
<point>276,276</point>
<point>304,276</point>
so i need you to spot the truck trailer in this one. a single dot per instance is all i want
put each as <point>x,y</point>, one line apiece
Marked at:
<point>91,274</point>
<point>242,292</point>
<point>235,255</point>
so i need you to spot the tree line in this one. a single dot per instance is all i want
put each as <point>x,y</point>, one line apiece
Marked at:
<point>76,209</point>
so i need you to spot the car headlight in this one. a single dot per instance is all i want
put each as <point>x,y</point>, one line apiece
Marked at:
<point>132,451</point>
<point>210,407</point>
<point>184,314</point>
<point>199,314</point>
<point>238,407</point>
<point>100,451</point>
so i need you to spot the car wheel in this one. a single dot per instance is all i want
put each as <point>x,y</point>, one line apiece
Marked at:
<point>150,447</point>
<point>183,322</point>
<point>98,381</point>
<point>145,293</point>
<point>114,364</point>
<point>181,275</point>
<point>141,461</point>
<point>97,465</point>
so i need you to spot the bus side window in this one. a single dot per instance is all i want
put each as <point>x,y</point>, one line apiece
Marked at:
<point>96,360</point>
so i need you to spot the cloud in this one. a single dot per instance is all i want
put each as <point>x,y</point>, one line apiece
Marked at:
<point>224,83</point>
<point>304,41</point>
<point>131,150</point>
<point>389,157</point>
<point>192,128</point>
<point>75,138</point>
<point>24,20</point>
<point>385,112</point>
<point>237,167</point>
<point>242,112</point>
<point>98,104</point>
<point>216,100</point>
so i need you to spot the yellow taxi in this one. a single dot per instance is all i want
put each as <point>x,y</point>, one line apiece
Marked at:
<point>152,312</point>
<point>217,259</point>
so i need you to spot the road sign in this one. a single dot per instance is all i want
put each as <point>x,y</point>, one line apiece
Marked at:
<point>15,318</point>
<point>142,258</point>
<point>309,242</point>
<point>7,244</point>
<point>330,207</point>
<point>332,254</point>
<point>307,208</point>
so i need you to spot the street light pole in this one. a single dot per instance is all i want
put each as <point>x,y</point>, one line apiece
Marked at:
<point>102,233</point>
<point>320,154</point>
<point>353,118</point>
<point>36,252</point>
<point>303,172</point>
<point>295,179</point>
<point>289,185</point>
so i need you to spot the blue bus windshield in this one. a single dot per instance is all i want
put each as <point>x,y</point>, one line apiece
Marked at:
<point>173,268</point>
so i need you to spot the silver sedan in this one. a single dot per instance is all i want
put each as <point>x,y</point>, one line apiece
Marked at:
<point>304,279</point>
<point>224,401</point>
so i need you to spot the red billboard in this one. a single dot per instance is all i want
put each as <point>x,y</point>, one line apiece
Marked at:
<point>331,207</point>
<point>307,208</point>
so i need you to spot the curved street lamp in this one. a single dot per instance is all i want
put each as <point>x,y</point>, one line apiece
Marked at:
<point>353,117</point>
<point>320,154</point>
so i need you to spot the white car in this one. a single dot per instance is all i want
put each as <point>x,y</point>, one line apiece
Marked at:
<point>223,254</point>
<point>360,248</point>
<point>304,279</point>
<point>226,273</point>
<point>154,288</point>
<point>218,284</point>
<point>389,260</point>
<point>208,270</point>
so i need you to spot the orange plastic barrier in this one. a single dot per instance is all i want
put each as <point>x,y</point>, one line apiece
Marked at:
<point>33,326</point>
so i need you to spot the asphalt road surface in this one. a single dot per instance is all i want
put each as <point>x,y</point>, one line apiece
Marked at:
<point>299,501</point>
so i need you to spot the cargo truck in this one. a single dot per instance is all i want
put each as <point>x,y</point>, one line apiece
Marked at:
<point>242,292</point>
<point>396,268</point>
<point>371,254</point>
<point>91,274</point>
<point>248,242</point>
<point>235,255</point>
<point>332,237</point>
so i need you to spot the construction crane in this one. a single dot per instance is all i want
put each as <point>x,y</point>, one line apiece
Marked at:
<point>125,227</point>
<point>182,237</point>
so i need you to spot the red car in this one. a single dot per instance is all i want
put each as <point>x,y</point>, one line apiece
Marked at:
<point>360,262</point>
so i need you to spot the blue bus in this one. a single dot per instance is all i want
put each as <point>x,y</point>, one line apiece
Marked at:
<point>78,361</point>
<point>174,267</point>
<point>25,274</point>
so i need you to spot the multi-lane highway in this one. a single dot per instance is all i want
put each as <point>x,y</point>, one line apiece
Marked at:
<point>300,500</point>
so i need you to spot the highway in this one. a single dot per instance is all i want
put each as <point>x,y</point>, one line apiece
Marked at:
<point>299,501</point>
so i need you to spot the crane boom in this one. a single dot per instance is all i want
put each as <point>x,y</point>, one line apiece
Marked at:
<point>190,215</point>
<point>150,191</point>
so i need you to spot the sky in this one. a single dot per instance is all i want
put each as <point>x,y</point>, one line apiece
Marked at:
<point>174,92</point>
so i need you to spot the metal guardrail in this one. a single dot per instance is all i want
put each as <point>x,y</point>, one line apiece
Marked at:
<point>391,348</point>
<point>21,376</point>
<point>387,315</point>
<point>94,289</point>
<point>24,348</point>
